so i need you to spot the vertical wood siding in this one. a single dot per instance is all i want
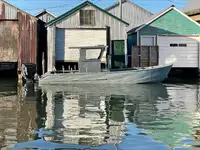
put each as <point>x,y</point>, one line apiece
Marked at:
<point>46,17</point>
<point>131,13</point>
<point>51,33</point>
<point>101,20</point>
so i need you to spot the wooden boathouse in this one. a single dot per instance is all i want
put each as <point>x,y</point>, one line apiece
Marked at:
<point>84,25</point>
<point>90,25</point>
<point>20,36</point>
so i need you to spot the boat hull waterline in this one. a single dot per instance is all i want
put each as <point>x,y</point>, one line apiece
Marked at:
<point>134,76</point>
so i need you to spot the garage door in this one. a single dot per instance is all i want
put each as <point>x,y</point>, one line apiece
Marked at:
<point>179,50</point>
<point>66,38</point>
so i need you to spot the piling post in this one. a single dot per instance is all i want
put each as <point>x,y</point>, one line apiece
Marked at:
<point>19,75</point>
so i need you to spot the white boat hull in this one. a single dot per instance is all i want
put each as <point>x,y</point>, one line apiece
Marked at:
<point>129,76</point>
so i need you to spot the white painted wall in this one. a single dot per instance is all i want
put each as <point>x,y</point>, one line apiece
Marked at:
<point>179,56</point>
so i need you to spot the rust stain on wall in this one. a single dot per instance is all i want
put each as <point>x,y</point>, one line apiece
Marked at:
<point>24,47</point>
<point>9,44</point>
<point>28,39</point>
<point>2,15</point>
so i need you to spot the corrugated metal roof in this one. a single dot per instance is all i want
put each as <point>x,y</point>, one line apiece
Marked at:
<point>191,5</point>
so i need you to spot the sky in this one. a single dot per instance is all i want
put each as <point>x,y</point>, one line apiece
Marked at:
<point>58,7</point>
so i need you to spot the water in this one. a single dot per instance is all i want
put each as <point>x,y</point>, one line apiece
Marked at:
<point>140,117</point>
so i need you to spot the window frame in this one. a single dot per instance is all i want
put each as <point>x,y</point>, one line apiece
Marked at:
<point>87,20</point>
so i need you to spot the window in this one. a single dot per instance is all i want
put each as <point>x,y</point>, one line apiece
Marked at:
<point>173,45</point>
<point>87,17</point>
<point>182,45</point>
<point>178,45</point>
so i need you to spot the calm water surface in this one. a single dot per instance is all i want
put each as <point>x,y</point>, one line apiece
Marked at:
<point>139,117</point>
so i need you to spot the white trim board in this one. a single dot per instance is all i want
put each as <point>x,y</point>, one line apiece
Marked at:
<point>164,12</point>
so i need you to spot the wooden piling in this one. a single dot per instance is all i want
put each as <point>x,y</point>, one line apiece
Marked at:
<point>19,75</point>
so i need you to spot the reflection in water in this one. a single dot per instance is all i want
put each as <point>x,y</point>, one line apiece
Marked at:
<point>151,116</point>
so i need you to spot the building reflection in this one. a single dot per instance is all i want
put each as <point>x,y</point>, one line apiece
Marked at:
<point>98,115</point>
<point>21,112</point>
<point>81,118</point>
<point>8,116</point>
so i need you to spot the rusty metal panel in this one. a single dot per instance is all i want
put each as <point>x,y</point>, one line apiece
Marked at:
<point>2,10</point>
<point>9,43</point>
<point>28,39</point>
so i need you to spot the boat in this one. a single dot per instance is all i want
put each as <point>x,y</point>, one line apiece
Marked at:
<point>90,72</point>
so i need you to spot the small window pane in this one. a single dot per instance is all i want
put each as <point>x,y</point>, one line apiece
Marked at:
<point>182,45</point>
<point>173,45</point>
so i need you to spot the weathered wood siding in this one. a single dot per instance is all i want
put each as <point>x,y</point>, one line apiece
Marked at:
<point>46,17</point>
<point>117,28</point>
<point>131,13</point>
<point>143,56</point>
<point>51,33</point>
<point>9,43</point>
<point>7,11</point>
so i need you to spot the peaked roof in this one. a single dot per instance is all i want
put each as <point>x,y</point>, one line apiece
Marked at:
<point>124,1</point>
<point>79,7</point>
<point>158,15</point>
<point>44,11</point>
<point>18,9</point>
